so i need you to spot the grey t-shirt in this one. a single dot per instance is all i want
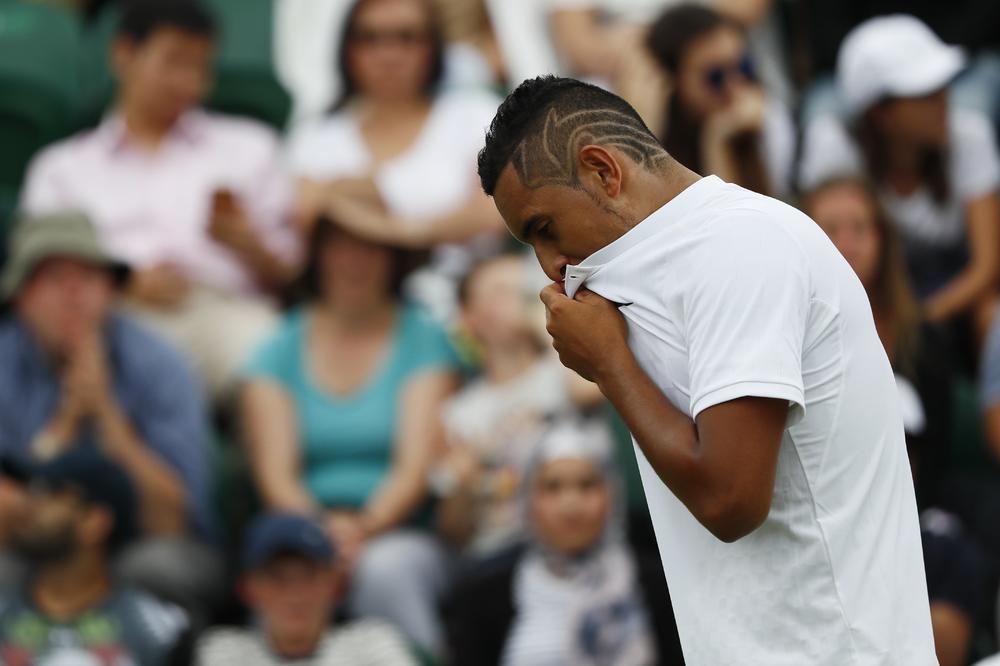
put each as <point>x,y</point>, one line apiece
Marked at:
<point>128,628</point>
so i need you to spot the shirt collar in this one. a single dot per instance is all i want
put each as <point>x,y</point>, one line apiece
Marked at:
<point>689,198</point>
<point>189,128</point>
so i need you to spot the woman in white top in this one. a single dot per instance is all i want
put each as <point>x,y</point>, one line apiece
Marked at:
<point>397,157</point>
<point>936,168</point>
<point>718,119</point>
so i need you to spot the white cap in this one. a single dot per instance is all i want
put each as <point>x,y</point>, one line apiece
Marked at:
<point>893,56</point>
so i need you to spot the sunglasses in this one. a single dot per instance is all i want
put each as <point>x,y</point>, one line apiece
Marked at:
<point>403,37</point>
<point>718,78</point>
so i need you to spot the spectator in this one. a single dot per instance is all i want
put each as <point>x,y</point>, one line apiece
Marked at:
<point>935,168</point>
<point>291,583</point>
<point>958,575</point>
<point>75,375</point>
<point>396,160</point>
<point>493,424</point>
<point>718,119</point>
<point>341,415</point>
<point>307,36</point>
<point>195,202</point>
<point>848,210</point>
<point>575,594</point>
<point>79,513</point>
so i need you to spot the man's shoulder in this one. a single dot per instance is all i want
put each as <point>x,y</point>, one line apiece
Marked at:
<point>224,645</point>
<point>64,152</point>
<point>157,622</point>
<point>145,352</point>
<point>245,134</point>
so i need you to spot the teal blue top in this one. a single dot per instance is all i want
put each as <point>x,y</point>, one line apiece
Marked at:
<point>347,440</point>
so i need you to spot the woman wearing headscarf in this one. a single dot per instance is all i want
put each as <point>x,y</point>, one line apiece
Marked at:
<point>574,592</point>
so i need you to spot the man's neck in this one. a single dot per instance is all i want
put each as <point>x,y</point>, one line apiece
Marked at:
<point>300,646</point>
<point>141,128</point>
<point>663,187</point>
<point>64,590</point>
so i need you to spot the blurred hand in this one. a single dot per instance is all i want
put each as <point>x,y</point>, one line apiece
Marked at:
<point>86,379</point>
<point>348,534</point>
<point>745,114</point>
<point>13,501</point>
<point>229,224</point>
<point>162,286</point>
<point>589,332</point>
<point>363,190</point>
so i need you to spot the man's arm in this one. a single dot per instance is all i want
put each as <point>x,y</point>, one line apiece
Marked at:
<point>721,467</point>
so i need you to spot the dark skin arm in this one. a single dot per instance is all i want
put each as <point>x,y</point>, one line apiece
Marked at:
<point>721,467</point>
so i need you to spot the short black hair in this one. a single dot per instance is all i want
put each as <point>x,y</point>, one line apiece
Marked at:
<point>544,118</point>
<point>141,18</point>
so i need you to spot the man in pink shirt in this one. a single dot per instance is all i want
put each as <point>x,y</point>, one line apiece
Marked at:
<point>198,203</point>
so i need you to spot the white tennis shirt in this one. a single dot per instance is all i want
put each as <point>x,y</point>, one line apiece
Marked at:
<point>732,294</point>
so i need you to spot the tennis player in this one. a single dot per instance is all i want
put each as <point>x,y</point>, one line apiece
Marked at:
<point>739,347</point>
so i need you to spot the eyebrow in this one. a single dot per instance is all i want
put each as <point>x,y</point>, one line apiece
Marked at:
<point>529,226</point>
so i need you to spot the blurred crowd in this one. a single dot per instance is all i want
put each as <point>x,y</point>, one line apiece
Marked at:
<point>275,385</point>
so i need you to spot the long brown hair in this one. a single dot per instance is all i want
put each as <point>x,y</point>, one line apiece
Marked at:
<point>875,148</point>
<point>669,40</point>
<point>436,35</point>
<point>895,306</point>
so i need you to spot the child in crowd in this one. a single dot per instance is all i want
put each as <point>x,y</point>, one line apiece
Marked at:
<point>575,593</point>
<point>494,422</point>
<point>291,584</point>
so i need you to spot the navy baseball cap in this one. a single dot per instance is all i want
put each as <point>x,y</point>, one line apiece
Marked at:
<point>98,479</point>
<point>276,534</point>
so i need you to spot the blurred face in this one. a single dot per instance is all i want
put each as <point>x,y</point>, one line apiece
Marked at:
<point>390,49</point>
<point>570,504</point>
<point>848,216</point>
<point>165,75</point>
<point>496,306</point>
<point>294,598</point>
<point>712,72</point>
<point>47,529</point>
<point>563,225</point>
<point>64,300</point>
<point>915,120</point>
<point>353,272</point>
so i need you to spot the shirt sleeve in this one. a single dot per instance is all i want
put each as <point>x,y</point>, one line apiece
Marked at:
<point>275,359</point>
<point>827,152</point>
<point>268,194</point>
<point>745,315</point>
<point>41,191</point>
<point>975,164</point>
<point>175,426</point>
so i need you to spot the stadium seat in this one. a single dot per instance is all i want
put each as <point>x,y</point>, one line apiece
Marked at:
<point>245,80</point>
<point>39,83</point>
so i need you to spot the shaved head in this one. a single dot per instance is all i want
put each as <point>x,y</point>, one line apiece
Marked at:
<point>541,127</point>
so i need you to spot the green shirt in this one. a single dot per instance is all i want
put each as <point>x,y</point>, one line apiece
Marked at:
<point>347,440</point>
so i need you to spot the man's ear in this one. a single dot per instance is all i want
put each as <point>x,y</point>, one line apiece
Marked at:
<point>602,167</point>
<point>122,53</point>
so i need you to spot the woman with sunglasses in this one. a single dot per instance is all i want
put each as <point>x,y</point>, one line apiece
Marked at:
<point>718,119</point>
<point>396,158</point>
<point>935,167</point>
